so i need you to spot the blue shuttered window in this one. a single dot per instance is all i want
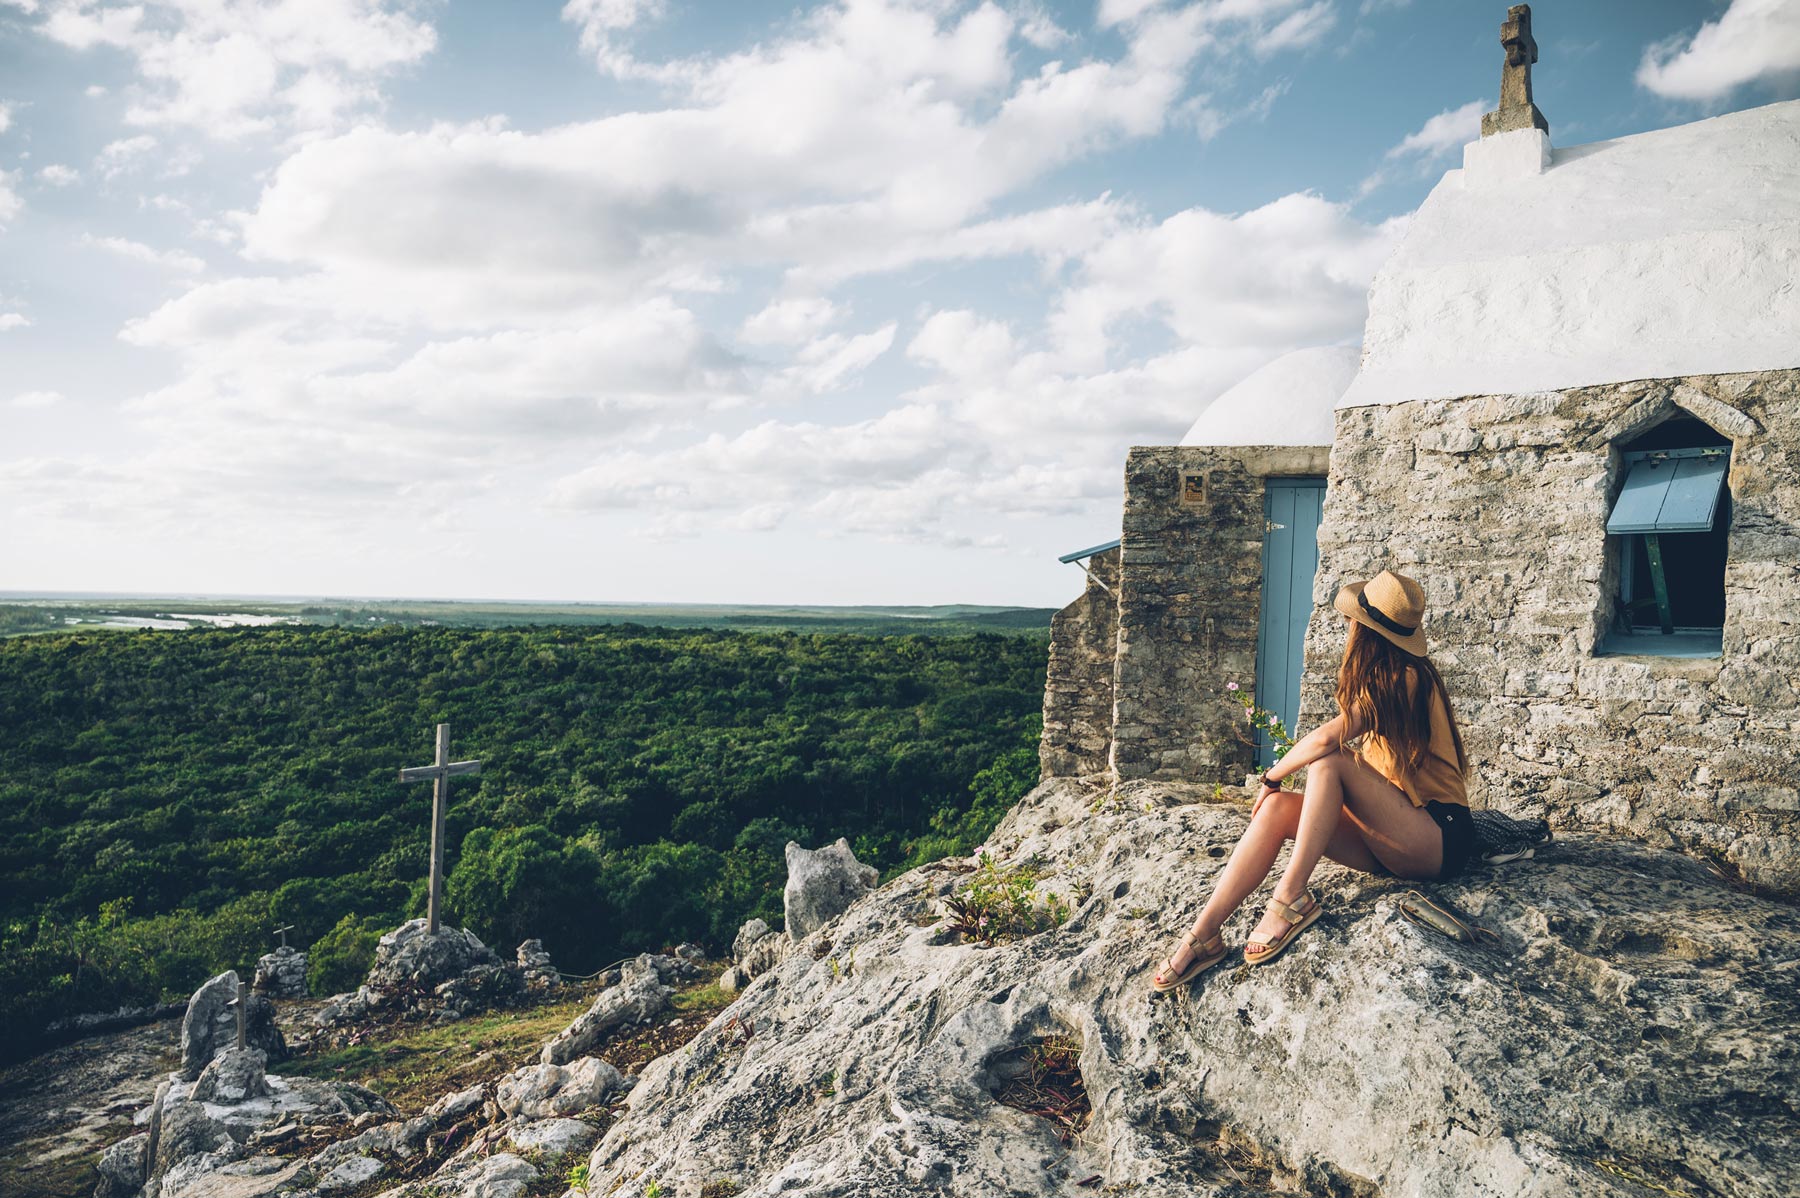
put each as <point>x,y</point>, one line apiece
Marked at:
<point>1670,514</point>
<point>1673,491</point>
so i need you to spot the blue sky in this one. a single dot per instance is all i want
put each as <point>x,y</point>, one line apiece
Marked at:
<point>713,302</point>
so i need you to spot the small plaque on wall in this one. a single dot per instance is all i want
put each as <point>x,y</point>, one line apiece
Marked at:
<point>1193,488</point>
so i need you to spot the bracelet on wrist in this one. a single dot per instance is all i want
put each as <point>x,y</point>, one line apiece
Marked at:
<point>1271,783</point>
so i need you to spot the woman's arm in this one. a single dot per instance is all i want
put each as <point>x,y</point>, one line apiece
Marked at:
<point>1315,744</point>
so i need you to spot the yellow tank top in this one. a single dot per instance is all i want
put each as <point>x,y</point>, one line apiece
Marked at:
<point>1437,776</point>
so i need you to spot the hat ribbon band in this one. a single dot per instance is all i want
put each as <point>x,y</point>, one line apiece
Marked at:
<point>1392,626</point>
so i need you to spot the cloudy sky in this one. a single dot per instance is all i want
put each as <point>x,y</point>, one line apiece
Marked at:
<point>707,300</point>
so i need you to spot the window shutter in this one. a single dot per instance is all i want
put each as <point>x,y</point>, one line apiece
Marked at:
<point>1670,494</point>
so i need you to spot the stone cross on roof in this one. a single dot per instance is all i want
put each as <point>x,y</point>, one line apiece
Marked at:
<point>1516,109</point>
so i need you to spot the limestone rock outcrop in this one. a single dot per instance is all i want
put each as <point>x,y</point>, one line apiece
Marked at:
<point>123,1167</point>
<point>233,1076</point>
<point>639,994</point>
<point>546,1091</point>
<point>1632,1025</point>
<point>210,1025</point>
<point>821,884</point>
<point>754,951</point>
<point>203,1139</point>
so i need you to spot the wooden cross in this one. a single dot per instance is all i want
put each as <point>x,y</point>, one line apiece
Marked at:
<point>241,1002</point>
<point>1516,111</point>
<point>439,774</point>
<point>282,932</point>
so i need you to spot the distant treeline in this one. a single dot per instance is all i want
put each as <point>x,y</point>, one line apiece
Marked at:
<point>168,798</point>
<point>26,617</point>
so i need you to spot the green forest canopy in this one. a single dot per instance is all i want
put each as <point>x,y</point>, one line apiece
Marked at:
<point>167,798</point>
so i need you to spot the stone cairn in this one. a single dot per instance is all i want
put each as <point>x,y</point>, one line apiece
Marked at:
<point>442,975</point>
<point>281,974</point>
<point>535,963</point>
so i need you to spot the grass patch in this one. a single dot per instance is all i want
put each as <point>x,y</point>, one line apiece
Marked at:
<point>413,1065</point>
<point>40,1174</point>
<point>702,999</point>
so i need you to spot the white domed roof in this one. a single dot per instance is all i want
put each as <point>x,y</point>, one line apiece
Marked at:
<point>1659,255</point>
<point>1288,402</point>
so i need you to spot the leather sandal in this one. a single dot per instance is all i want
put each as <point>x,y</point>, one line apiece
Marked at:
<point>1298,921</point>
<point>1200,965</point>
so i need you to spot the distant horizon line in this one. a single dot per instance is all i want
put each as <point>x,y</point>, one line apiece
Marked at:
<point>214,596</point>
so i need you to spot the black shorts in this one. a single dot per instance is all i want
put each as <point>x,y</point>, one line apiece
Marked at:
<point>1459,835</point>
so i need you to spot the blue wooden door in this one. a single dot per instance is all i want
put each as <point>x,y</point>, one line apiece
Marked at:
<point>1291,509</point>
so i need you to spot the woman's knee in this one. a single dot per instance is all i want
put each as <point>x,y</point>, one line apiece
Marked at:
<point>1332,765</point>
<point>1282,809</point>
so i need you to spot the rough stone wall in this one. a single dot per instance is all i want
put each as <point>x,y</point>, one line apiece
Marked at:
<point>1190,591</point>
<point>1498,505</point>
<point>1078,686</point>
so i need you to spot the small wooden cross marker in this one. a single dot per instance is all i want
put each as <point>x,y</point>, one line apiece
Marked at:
<point>439,774</point>
<point>282,932</point>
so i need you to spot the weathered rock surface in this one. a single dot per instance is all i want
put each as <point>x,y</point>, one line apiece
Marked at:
<point>281,974</point>
<point>639,994</point>
<point>552,1139</point>
<point>1635,1012</point>
<point>203,1139</point>
<point>502,1175</point>
<point>756,950</point>
<point>210,1025</point>
<point>821,883</point>
<point>546,1091</point>
<point>232,1076</point>
<point>123,1167</point>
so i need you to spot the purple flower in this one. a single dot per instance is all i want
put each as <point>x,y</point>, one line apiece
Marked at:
<point>1231,686</point>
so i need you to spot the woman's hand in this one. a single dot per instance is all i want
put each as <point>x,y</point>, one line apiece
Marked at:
<point>1262,795</point>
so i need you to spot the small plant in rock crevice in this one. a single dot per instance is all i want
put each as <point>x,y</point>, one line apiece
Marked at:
<point>1001,904</point>
<point>1043,1078</point>
<point>578,1177</point>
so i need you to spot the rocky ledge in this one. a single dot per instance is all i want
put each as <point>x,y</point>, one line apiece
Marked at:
<point>1632,1026</point>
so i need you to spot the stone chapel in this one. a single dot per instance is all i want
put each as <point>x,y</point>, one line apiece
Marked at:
<point>1575,418</point>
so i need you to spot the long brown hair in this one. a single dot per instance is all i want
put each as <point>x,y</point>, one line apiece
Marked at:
<point>1371,691</point>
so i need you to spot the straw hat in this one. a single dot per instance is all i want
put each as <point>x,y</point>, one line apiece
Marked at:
<point>1391,604</point>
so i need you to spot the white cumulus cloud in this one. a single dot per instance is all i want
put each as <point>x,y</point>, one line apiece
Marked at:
<point>234,67</point>
<point>137,251</point>
<point>10,202</point>
<point>1752,41</point>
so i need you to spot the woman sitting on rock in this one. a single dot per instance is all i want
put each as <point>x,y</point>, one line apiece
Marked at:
<point>1395,803</point>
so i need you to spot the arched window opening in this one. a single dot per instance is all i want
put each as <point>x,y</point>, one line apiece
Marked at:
<point>1673,518</point>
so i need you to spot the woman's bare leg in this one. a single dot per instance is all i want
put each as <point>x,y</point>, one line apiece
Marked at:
<point>1275,823</point>
<point>1376,813</point>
